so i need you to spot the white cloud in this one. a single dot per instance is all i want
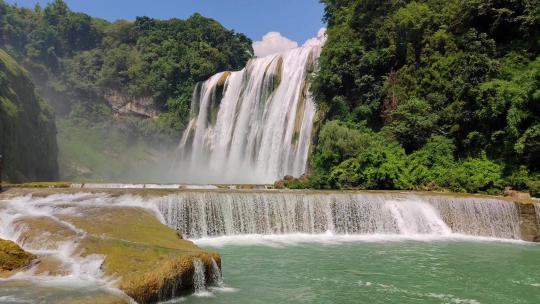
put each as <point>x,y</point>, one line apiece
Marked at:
<point>272,43</point>
<point>319,40</point>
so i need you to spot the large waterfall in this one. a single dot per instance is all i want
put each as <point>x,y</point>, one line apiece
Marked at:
<point>200,214</point>
<point>254,125</point>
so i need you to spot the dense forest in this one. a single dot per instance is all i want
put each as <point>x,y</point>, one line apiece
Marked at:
<point>434,94</point>
<point>423,95</point>
<point>88,68</point>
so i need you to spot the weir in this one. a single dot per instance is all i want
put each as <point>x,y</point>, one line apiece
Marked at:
<point>254,125</point>
<point>200,214</point>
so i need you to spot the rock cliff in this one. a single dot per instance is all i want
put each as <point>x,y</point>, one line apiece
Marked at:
<point>27,127</point>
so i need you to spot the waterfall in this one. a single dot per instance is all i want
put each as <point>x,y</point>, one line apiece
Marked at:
<point>200,214</point>
<point>217,278</point>
<point>199,278</point>
<point>254,125</point>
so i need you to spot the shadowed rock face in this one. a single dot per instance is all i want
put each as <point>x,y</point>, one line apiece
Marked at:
<point>529,222</point>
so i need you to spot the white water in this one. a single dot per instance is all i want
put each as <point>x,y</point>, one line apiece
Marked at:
<point>76,271</point>
<point>199,278</point>
<point>217,279</point>
<point>254,125</point>
<point>244,215</point>
<point>217,218</point>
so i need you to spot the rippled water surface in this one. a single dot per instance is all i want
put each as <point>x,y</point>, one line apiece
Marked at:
<point>379,272</point>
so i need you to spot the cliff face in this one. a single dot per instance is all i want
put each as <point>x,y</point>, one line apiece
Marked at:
<point>27,127</point>
<point>122,103</point>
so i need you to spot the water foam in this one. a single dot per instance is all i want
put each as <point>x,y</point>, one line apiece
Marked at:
<point>205,215</point>
<point>77,271</point>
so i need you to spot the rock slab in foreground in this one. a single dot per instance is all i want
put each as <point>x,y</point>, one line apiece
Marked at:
<point>13,258</point>
<point>150,260</point>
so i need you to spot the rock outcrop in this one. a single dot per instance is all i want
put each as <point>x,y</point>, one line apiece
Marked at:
<point>147,260</point>
<point>529,222</point>
<point>123,103</point>
<point>13,258</point>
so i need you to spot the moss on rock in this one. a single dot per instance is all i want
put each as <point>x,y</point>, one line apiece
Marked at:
<point>43,232</point>
<point>13,257</point>
<point>27,127</point>
<point>150,260</point>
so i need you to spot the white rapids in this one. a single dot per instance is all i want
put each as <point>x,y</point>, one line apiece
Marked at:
<point>217,217</point>
<point>254,125</point>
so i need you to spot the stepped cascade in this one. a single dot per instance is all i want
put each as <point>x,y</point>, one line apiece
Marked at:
<point>254,125</point>
<point>200,214</point>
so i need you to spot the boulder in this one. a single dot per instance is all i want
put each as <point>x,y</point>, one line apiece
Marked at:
<point>151,261</point>
<point>13,258</point>
<point>280,184</point>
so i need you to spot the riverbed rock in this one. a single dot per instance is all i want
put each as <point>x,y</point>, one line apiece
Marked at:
<point>43,232</point>
<point>517,194</point>
<point>149,260</point>
<point>280,184</point>
<point>529,222</point>
<point>13,258</point>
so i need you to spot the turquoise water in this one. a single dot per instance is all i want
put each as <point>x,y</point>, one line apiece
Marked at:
<point>379,272</point>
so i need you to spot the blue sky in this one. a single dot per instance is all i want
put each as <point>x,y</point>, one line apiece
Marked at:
<point>298,20</point>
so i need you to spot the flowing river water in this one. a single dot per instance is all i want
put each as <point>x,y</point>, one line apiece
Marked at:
<point>305,247</point>
<point>378,271</point>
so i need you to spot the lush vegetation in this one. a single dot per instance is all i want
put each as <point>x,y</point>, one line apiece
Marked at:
<point>429,94</point>
<point>77,61</point>
<point>27,129</point>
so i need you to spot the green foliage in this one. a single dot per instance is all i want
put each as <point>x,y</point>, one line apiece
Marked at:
<point>412,122</point>
<point>476,175</point>
<point>337,143</point>
<point>427,167</point>
<point>78,62</point>
<point>455,83</point>
<point>27,129</point>
<point>76,59</point>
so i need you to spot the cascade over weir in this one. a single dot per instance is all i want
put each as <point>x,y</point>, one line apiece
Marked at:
<point>91,235</point>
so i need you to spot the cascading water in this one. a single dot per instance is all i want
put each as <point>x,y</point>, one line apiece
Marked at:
<point>254,125</point>
<point>211,214</point>
<point>199,278</point>
<point>217,278</point>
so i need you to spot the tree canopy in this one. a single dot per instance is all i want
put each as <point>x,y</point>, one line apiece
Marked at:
<point>447,90</point>
<point>76,59</point>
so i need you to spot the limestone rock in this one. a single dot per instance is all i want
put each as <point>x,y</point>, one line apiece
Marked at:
<point>280,184</point>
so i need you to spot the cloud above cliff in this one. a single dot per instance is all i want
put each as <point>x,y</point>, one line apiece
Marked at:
<point>274,42</point>
<point>319,40</point>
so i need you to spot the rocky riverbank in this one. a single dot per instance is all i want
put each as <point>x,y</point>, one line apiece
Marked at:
<point>125,243</point>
